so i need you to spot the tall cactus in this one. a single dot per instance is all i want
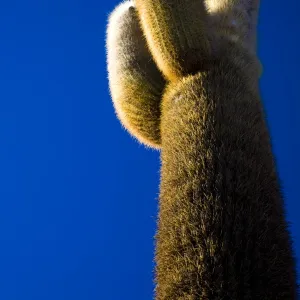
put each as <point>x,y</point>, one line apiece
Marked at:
<point>184,78</point>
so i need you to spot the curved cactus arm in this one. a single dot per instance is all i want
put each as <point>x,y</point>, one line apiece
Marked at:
<point>136,84</point>
<point>176,34</point>
<point>235,20</point>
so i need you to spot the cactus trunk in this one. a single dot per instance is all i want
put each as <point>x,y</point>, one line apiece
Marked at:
<point>222,232</point>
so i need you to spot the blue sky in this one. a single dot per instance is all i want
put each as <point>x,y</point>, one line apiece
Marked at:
<point>78,195</point>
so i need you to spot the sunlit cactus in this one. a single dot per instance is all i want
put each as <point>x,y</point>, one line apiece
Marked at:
<point>184,78</point>
<point>136,84</point>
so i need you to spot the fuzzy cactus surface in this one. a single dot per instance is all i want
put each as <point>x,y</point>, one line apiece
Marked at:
<point>183,77</point>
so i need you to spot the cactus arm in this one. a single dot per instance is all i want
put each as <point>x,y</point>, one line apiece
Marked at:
<point>235,20</point>
<point>135,82</point>
<point>176,34</point>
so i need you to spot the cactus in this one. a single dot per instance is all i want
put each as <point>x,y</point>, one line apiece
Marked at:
<point>184,79</point>
<point>136,84</point>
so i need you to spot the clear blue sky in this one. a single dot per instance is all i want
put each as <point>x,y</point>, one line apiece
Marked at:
<point>78,196</point>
